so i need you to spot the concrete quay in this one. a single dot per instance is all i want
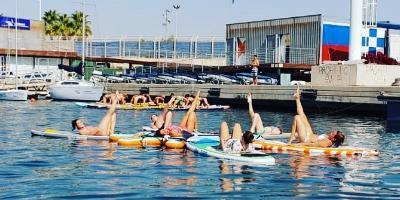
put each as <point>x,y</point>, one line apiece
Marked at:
<point>362,100</point>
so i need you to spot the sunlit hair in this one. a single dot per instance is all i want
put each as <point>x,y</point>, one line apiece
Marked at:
<point>248,137</point>
<point>280,130</point>
<point>338,139</point>
<point>74,125</point>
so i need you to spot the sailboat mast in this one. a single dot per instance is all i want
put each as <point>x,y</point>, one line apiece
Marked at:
<point>16,42</point>
<point>83,38</point>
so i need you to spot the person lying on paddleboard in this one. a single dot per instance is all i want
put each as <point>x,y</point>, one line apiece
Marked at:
<point>159,100</point>
<point>238,142</point>
<point>306,136</point>
<point>188,122</point>
<point>257,125</point>
<point>188,99</point>
<point>107,98</point>
<point>138,98</point>
<point>106,126</point>
<point>158,120</point>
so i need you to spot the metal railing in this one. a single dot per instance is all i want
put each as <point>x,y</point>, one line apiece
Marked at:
<point>271,56</point>
<point>194,50</point>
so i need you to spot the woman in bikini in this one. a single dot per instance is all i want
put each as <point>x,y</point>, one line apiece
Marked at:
<point>188,122</point>
<point>257,125</point>
<point>106,126</point>
<point>236,143</point>
<point>301,128</point>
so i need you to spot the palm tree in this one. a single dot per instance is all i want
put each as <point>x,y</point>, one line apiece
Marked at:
<point>77,19</point>
<point>66,28</point>
<point>57,24</point>
<point>51,19</point>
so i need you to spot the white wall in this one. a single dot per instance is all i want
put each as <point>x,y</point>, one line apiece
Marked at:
<point>394,45</point>
<point>354,75</point>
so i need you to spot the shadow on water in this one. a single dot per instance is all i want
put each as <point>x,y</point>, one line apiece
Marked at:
<point>393,126</point>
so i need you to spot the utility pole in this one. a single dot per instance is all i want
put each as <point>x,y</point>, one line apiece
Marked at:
<point>40,10</point>
<point>83,38</point>
<point>16,42</point>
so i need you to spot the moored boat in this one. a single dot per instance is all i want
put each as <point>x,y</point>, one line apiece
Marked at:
<point>76,90</point>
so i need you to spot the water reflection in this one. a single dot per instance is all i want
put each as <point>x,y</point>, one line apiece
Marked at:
<point>229,175</point>
<point>304,166</point>
<point>176,158</point>
<point>51,168</point>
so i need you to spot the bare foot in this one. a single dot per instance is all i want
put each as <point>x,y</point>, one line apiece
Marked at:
<point>249,98</point>
<point>114,98</point>
<point>297,94</point>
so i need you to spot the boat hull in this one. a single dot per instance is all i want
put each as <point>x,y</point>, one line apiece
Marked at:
<point>14,95</point>
<point>76,92</point>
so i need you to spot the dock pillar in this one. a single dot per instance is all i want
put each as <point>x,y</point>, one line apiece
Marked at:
<point>392,110</point>
<point>355,30</point>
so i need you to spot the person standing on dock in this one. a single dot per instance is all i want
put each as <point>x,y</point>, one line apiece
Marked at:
<point>255,63</point>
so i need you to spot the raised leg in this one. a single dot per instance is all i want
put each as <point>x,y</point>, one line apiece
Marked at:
<point>299,127</point>
<point>223,134</point>
<point>171,101</point>
<point>205,101</point>
<point>168,119</point>
<point>191,123</point>
<point>257,124</point>
<point>196,124</point>
<point>300,111</point>
<point>133,99</point>
<point>237,132</point>
<point>112,124</point>
<point>191,109</point>
<point>106,124</point>
<point>250,102</point>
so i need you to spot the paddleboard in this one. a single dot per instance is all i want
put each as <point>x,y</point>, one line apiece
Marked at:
<point>53,133</point>
<point>273,137</point>
<point>119,107</point>
<point>280,147</point>
<point>209,108</point>
<point>211,149</point>
<point>142,139</point>
<point>174,143</point>
<point>146,106</point>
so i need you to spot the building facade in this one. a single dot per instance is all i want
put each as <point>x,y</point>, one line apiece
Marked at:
<point>302,41</point>
<point>35,50</point>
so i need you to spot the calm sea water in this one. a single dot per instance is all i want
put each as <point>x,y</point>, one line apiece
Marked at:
<point>36,167</point>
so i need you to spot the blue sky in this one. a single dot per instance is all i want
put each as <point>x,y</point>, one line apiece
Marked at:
<point>195,17</point>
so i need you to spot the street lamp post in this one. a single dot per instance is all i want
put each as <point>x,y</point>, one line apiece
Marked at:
<point>176,7</point>
<point>167,21</point>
